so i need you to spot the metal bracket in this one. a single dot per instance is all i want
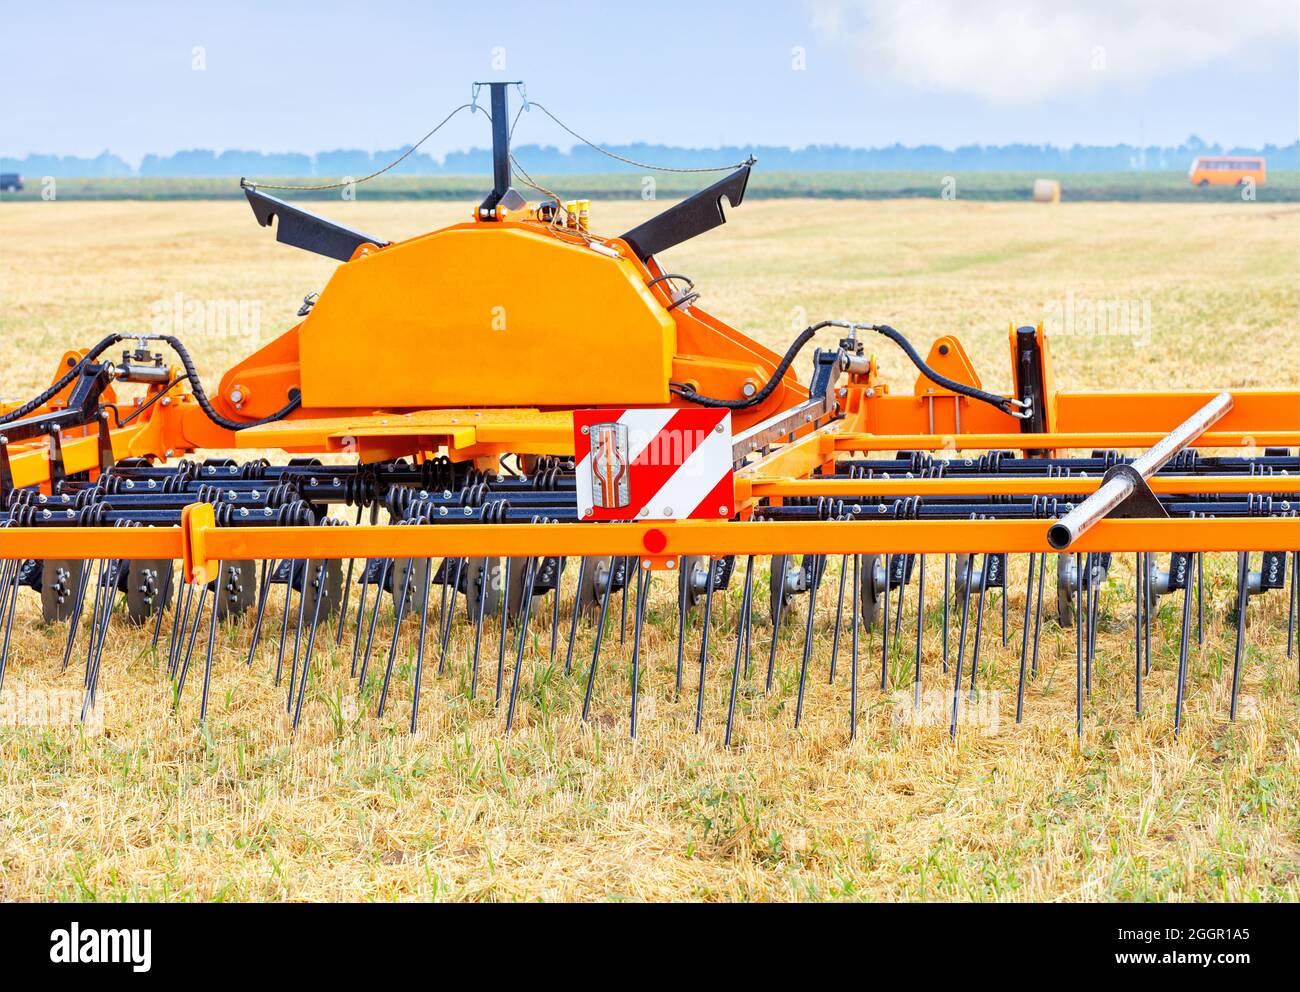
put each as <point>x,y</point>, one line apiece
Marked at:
<point>1142,502</point>
<point>696,214</point>
<point>303,229</point>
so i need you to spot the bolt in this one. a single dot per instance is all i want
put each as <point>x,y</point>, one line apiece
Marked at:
<point>586,429</point>
<point>724,511</point>
<point>668,511</point>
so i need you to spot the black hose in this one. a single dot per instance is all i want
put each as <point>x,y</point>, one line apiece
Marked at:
<point>34,404</point>
<point>1001,402</point>
<point>190,373</point>
<point>295,397</point>
<point>689,394</point>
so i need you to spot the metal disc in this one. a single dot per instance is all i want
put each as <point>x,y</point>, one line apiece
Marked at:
<point>961,567</point>
<point>60,579</point>
<point>779,592</point>
<point>476,572</point>
<point>148,588</point>
<point>331,575</point>
<point>1065,590</point>
<point>698,570</point>
<point>419,569</point>
<point>869,589</point>
<point>236,587</point>
<point>595,581</point>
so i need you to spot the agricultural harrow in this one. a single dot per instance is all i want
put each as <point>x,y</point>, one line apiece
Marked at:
<point>509,428</point>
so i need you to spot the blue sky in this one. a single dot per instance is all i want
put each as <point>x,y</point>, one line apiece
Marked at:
<point>84,77</point>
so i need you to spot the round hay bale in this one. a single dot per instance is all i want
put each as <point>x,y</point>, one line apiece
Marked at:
<point>1047,191</point>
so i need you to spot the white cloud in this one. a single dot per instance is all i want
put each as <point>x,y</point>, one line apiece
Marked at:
<point>1024,51</point>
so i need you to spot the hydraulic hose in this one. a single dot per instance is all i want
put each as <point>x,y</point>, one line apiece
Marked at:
<point>191,373</point>
<point>688,393</point>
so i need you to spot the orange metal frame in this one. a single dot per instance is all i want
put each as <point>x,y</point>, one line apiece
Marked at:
<point>573,309</point>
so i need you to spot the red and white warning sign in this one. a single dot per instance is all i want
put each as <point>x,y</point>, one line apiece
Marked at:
<point>653,464</point>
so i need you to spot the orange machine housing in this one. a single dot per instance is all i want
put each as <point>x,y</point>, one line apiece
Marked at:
<point>554,321</point>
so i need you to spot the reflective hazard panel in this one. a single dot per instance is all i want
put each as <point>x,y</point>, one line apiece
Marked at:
<point>653,464</point>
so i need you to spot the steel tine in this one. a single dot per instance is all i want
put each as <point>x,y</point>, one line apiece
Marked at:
<point>449,615</point>
<point>776,628</point>
<point>347,589</point>
<point>9,619</point>
<point>162,604</point>
<point>748,616</point>
<point>898,610</point>
<point>555,607</point>
<point>361,612</point>
<point>1291,603</point>
<point>622,637</point>
<point>1200,598</point>
<point>920,622</point>
<point>1002,595</point>
<point>384,572</point>
<point>638,622</point>
<point>961,650</point>
<point>419,650</point>
<point>1140,583</point>
<point>264,597</point>
<point>317,579</point>
<point>1024,638</point>
<point>853,661</point>
<point>284,625</point>
<point>1243,602</point>
<point>742,627</point>
<point>114,574</point>
<point>1146,617</point>
<point>1094,601</point>
<point>704,647</point>
<point>479,612</point>
<point>1038,613</point>
<point>573,620</point>
<point>189,647</point>
<point>94,618</point>
<point>839,616</point>
<point>99,624</point>
<point>78,605</point>
<point>1183,645</point>
<point>522,638</point>
<point>979,622</point>
<point>6,567</point>
<point>505,624</point>
<point>947,596</point>
<point>682,580</point>
<point>1078,644</point>
<point>807,642</point>
<point>180,620</point>
<point>884,632</point>
<point>445,570</point>
<point>397,628</point>
<point>595,652</point>
<point>297,629</point>
<point>207,659</point>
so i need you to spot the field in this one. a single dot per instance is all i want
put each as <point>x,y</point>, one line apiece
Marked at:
<point>1283,186</point>
<point>145,803</point>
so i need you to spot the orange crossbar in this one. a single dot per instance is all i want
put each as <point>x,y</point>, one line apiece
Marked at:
<point>846,441</point>
<point>763,486</point>
<point>687,537</point>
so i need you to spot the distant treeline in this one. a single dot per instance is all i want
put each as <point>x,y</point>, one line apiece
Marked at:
<point>582,160</point>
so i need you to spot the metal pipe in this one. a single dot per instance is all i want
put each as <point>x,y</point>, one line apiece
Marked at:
<point>1119,487</point>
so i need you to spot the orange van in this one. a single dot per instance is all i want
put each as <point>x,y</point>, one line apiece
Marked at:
<point>1226,170</point>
